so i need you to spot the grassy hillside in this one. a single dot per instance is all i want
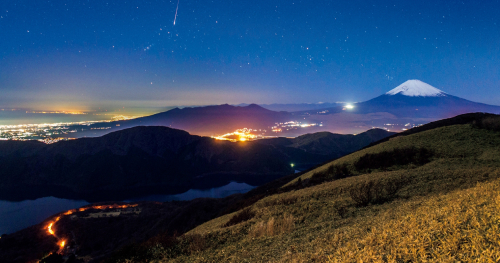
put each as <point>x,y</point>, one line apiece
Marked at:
<point>461,145</point>
<point>430,196</point>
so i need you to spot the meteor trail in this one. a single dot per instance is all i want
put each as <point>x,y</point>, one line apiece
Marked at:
<point>175,18</point>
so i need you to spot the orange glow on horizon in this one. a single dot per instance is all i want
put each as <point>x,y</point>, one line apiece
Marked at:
<point>59,112</point>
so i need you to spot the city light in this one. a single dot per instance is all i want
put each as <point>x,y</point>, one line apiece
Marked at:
<point>51,132</point>
<point>292,125</point>
<point>241,135</point>
<point>247,134</point>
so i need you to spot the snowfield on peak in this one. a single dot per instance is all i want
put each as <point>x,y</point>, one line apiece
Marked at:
<point>416,88</point>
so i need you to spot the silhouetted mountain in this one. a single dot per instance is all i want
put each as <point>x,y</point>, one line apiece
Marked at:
<point>330,144</point>
<point>206,121</point>
<point>292,107</point>
<point>147,160</point>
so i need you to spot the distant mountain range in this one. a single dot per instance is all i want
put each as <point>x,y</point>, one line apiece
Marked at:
<point>148,160</point>
<point>413,102</point>
<point>205,121</point>
<point>293,107</point>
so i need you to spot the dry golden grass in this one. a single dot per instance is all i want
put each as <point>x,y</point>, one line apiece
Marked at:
<point>321,233</point>
<point>463,226</point>
<point>272,227</point>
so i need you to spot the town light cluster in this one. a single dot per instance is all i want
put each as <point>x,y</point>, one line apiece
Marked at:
<point>247,134</point>
<point>291,125</point>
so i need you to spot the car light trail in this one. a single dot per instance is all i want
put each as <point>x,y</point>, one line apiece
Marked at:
<point>61,243</point>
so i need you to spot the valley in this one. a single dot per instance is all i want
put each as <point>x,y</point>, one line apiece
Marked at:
<point>320,205</point>
<point>433,211</point>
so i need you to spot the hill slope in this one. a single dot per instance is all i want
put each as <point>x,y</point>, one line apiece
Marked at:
<point>330,144</point>
<point>148,160</point>
<point>435,200</point>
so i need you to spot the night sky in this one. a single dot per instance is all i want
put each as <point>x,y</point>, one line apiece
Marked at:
<point>85,54</point>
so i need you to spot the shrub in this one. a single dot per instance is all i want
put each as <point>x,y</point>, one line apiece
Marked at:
<point>398,156</point>
<point>299,183</point>
<point>287,224</point>
<point>285,200</point>
<point>489,123</point>
<point>270,228</point>
<point>273,227</point>
<point>160,247</point>
<point>317,178</point>
<point>258,229</point>
<point>333,172</point>
<point>341,209</point>
<point>165,239</point>
<point>197,243</point>
<point>375,192</point>
<point>245,215</point>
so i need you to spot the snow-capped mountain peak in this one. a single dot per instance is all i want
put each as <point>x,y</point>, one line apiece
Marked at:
<point>416,88</point>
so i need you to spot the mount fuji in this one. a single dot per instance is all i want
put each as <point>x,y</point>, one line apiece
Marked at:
<point>416,99</point>
<point>416,88</point>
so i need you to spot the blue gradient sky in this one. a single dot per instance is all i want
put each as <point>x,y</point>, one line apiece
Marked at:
<point>85,54</point>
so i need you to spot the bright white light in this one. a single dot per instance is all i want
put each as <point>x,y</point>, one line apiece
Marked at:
<point>349,106</point>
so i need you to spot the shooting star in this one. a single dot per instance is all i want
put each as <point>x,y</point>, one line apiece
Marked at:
<point>175,18</point>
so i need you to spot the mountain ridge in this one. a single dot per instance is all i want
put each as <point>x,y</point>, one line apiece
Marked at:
<point>413,102</point>
<point>205,121</point>
<point>131,161</point>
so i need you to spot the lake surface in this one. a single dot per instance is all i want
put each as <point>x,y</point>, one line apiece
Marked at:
<point>218,192</point>
<point>15,216</point>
